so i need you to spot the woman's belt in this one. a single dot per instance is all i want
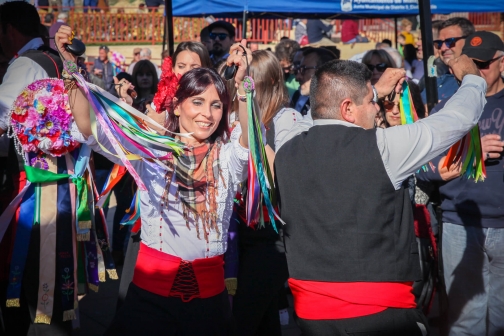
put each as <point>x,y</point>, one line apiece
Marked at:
<point>167,275</point>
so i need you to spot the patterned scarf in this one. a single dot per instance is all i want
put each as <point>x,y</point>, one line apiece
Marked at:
<point>197,175</point>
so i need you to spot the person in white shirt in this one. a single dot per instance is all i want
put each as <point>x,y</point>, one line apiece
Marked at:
<point>146,54</point>
<point>178,286</point>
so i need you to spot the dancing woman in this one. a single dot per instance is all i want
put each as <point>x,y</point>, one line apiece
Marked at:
<point>178,285</point>
<point>187,56</point>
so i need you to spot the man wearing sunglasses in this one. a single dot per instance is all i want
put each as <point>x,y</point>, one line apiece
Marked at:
<point>473,213</point>
<point>452,34</point>
<point>222,34</point>
<point>312,59</point>
<point>136,58</point>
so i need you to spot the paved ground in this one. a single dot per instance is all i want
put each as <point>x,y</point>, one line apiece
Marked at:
<point>97,309</point>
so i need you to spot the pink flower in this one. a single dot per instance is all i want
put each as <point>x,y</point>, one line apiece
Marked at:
<point>58,144</point>
<point>30,147</point>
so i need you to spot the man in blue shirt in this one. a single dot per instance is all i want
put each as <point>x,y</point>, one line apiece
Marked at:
<point>103,69</point>
<point>473,213</point>
<point>452,34</point>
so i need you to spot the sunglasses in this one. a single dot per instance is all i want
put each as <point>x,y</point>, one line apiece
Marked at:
<point>302,69</point>
<point>485,65</point>
<point>221,36</point>
<point>379,67</point>
<point>450,42</point>
<point>389,105</point>
<point>136,54</point>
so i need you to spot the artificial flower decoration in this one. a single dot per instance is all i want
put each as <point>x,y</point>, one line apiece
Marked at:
<point>41,118</point>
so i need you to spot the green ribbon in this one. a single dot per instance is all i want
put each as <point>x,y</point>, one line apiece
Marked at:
<point>83,212</point>
<point>37,175</point>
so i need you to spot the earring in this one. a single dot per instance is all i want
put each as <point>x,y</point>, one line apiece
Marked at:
<point>177,114</point>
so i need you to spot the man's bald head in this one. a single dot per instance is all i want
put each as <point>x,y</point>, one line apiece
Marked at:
<point>335,81</point>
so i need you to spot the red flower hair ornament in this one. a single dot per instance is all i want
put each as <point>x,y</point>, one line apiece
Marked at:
<point>168,84</point>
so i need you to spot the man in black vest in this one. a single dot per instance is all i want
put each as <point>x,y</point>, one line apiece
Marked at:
<point>349,238</point>
<point>30,60</point>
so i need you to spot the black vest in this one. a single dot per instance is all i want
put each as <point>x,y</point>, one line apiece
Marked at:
<point>345,221</point>
<point>49,60</point>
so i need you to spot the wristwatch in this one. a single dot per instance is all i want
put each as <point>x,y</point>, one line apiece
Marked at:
<point>375,95</point>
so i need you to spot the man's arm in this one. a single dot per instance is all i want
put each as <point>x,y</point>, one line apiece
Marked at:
<point>20,73</point>
<point>406,148</point>
<point>323,27</point>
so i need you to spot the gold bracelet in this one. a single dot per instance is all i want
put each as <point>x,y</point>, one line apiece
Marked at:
<point>242,98</point>
<point>70,85</point>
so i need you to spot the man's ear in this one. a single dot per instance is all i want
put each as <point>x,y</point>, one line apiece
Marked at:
<point>346,110</point>
<point>501,65</point>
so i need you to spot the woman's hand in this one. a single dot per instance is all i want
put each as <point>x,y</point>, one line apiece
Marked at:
<point>122,86</point>
<point>63,37</point>
<point>239,58</point>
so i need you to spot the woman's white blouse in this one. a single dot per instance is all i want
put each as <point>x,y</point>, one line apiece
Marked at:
<point>163,225</point>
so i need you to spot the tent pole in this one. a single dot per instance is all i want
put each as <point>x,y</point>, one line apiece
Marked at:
<point>395,32</point>
<point>168,31</point>
<point>244,25</point>
<point>165,29</point>
<point>428,50</point>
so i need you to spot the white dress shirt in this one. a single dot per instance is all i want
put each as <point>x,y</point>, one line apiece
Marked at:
<point>284,120</point>
<point>22,72</point>
<point>163,226</point>
<point>404,149</point>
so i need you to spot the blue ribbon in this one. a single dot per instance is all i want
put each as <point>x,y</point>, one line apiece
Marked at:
<point>21,243</point>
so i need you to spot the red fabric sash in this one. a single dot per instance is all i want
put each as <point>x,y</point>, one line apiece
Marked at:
<point>156,272</point>
<point>317,300</point>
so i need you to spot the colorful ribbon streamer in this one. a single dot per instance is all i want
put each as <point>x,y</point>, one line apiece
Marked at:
<point>113,178</point>
<point>260,179</point>
<point>120,121</point>
<point>467,152</point>
<point>133,213</point>
<point>409,114</point>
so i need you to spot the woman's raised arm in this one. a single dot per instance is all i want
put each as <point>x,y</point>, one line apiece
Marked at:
<point>77,99</point>
<point>241,59</point>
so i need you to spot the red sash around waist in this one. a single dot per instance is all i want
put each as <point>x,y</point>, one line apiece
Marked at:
<point>317,300</point>
<point>167,275</point>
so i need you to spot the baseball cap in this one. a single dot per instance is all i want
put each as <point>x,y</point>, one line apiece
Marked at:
<point>104,47</point>
<point>223,24</point>
<point>482,46</point>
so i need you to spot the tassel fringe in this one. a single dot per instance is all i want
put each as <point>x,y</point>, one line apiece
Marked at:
<point>69,315</point>
<point>83,236</point>
<point>94,288</point>
<point>85,225</point>
<point>231,285</point>
<point>43,319</point>
<point>12,303</point>
<point>112,273</point>
<point>101,276</point>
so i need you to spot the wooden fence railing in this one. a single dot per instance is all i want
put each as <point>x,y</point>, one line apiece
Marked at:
<point>129,26</point>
